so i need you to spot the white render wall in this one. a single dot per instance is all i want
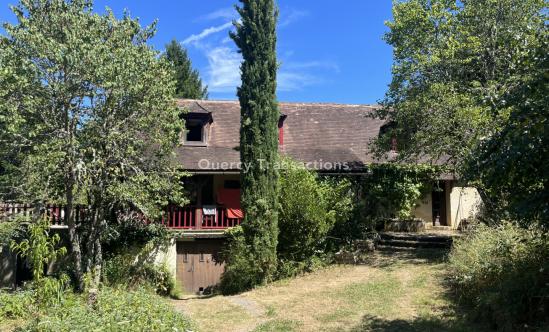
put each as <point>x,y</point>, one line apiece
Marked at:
<point>464,203</point>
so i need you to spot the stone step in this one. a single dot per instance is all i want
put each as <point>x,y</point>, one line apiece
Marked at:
<point>414,244</point>
<point>417,237</point>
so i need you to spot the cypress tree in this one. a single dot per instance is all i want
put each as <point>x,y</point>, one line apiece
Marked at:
<point>188,82</point>
<point>256,39</point>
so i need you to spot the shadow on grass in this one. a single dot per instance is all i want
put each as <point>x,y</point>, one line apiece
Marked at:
<point>394,257</point>
<point>419,324</point>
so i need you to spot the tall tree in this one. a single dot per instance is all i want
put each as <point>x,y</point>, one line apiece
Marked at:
<point>188,83</point>
<point>458,67</point>
<point>88,110</point>
<point>256,39</point>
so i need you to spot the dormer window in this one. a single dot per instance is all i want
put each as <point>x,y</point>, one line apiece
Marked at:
<point>196,128</point>
<point>195,131</point>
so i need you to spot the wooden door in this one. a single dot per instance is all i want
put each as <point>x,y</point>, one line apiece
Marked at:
<point>199,268</point>
<point>186,252</point>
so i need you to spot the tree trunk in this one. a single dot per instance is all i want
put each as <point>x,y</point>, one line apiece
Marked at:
<point>74,239</point>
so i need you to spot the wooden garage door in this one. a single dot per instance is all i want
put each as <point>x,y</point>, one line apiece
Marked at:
<point>198,265</point>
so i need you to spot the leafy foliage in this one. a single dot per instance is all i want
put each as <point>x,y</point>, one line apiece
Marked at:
<point>392,191</point>
<point>40,249</point>
<point>11,230</point>
<point>132,230</point>
<point>16,305</point>
<point>308,209</point>
<point>503,272</point>
<point>387,191</point>
<point>256,39</point>
<point>469,90</point>
<point>116,310</point>
<point>89,110</point>
<point>241,273</point>
<point>129,271</point>
<point>511,166</point>
<point>455,64</point>
<point>309,206</point>
<point>188,82</point>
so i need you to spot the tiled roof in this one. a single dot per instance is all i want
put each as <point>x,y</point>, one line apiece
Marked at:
<point>314,133</point>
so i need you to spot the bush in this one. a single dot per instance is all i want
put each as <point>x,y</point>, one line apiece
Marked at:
<point>308,210</point>
<point>389,191</point>
<point>12,229</point>
<point>240,269</point>
<point>504,273</point>
<point>128,270</point>
<point>131,229</point>
<point>116,310</point>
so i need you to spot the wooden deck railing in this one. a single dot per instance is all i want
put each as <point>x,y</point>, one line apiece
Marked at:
<point>54,212</point>
<point>192,217</point>
<point>175,217</point>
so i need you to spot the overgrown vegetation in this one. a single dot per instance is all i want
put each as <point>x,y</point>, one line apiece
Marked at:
<point>504,273</point>
<point>469,90</point>
<point>387,191</point>
<point>115,310</point>
<point>309,207</point>
<point>125,300</point>
<point>11,229</point>
<point>80,90</point>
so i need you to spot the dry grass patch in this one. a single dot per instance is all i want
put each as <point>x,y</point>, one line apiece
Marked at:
<point>395,291</point>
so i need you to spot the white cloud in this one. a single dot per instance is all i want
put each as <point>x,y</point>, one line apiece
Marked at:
<point>225,13</point>
<point>291,81</point>
<point>223,73</point>
<point>293,15</point>
<point>206,32</point>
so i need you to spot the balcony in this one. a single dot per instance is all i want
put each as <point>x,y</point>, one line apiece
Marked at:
<point>193,217</point>
<point>175,217</point>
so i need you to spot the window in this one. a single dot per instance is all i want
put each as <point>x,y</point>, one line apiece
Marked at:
<point>194,131</point>
<point>197,127</point>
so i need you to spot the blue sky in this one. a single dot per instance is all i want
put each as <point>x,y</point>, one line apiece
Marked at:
<point>330,51</point>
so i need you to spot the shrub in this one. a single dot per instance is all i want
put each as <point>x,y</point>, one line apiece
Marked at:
<point>240,269</point>
<point>128,270</point>
<point>116,310</point>
<point>131,229</point>
<point>11,230</point>
<point>504,272</point>
<point>40,249</point>
<point>308,209</point>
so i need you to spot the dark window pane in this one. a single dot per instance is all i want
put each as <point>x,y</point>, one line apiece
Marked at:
<point>194,132</point>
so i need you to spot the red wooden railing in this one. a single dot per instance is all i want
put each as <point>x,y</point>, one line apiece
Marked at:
<point>176,217</point>
<point>54,212</point>
<point>192,217</point>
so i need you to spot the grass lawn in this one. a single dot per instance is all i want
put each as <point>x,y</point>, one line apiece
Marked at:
<point>396,291</point>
